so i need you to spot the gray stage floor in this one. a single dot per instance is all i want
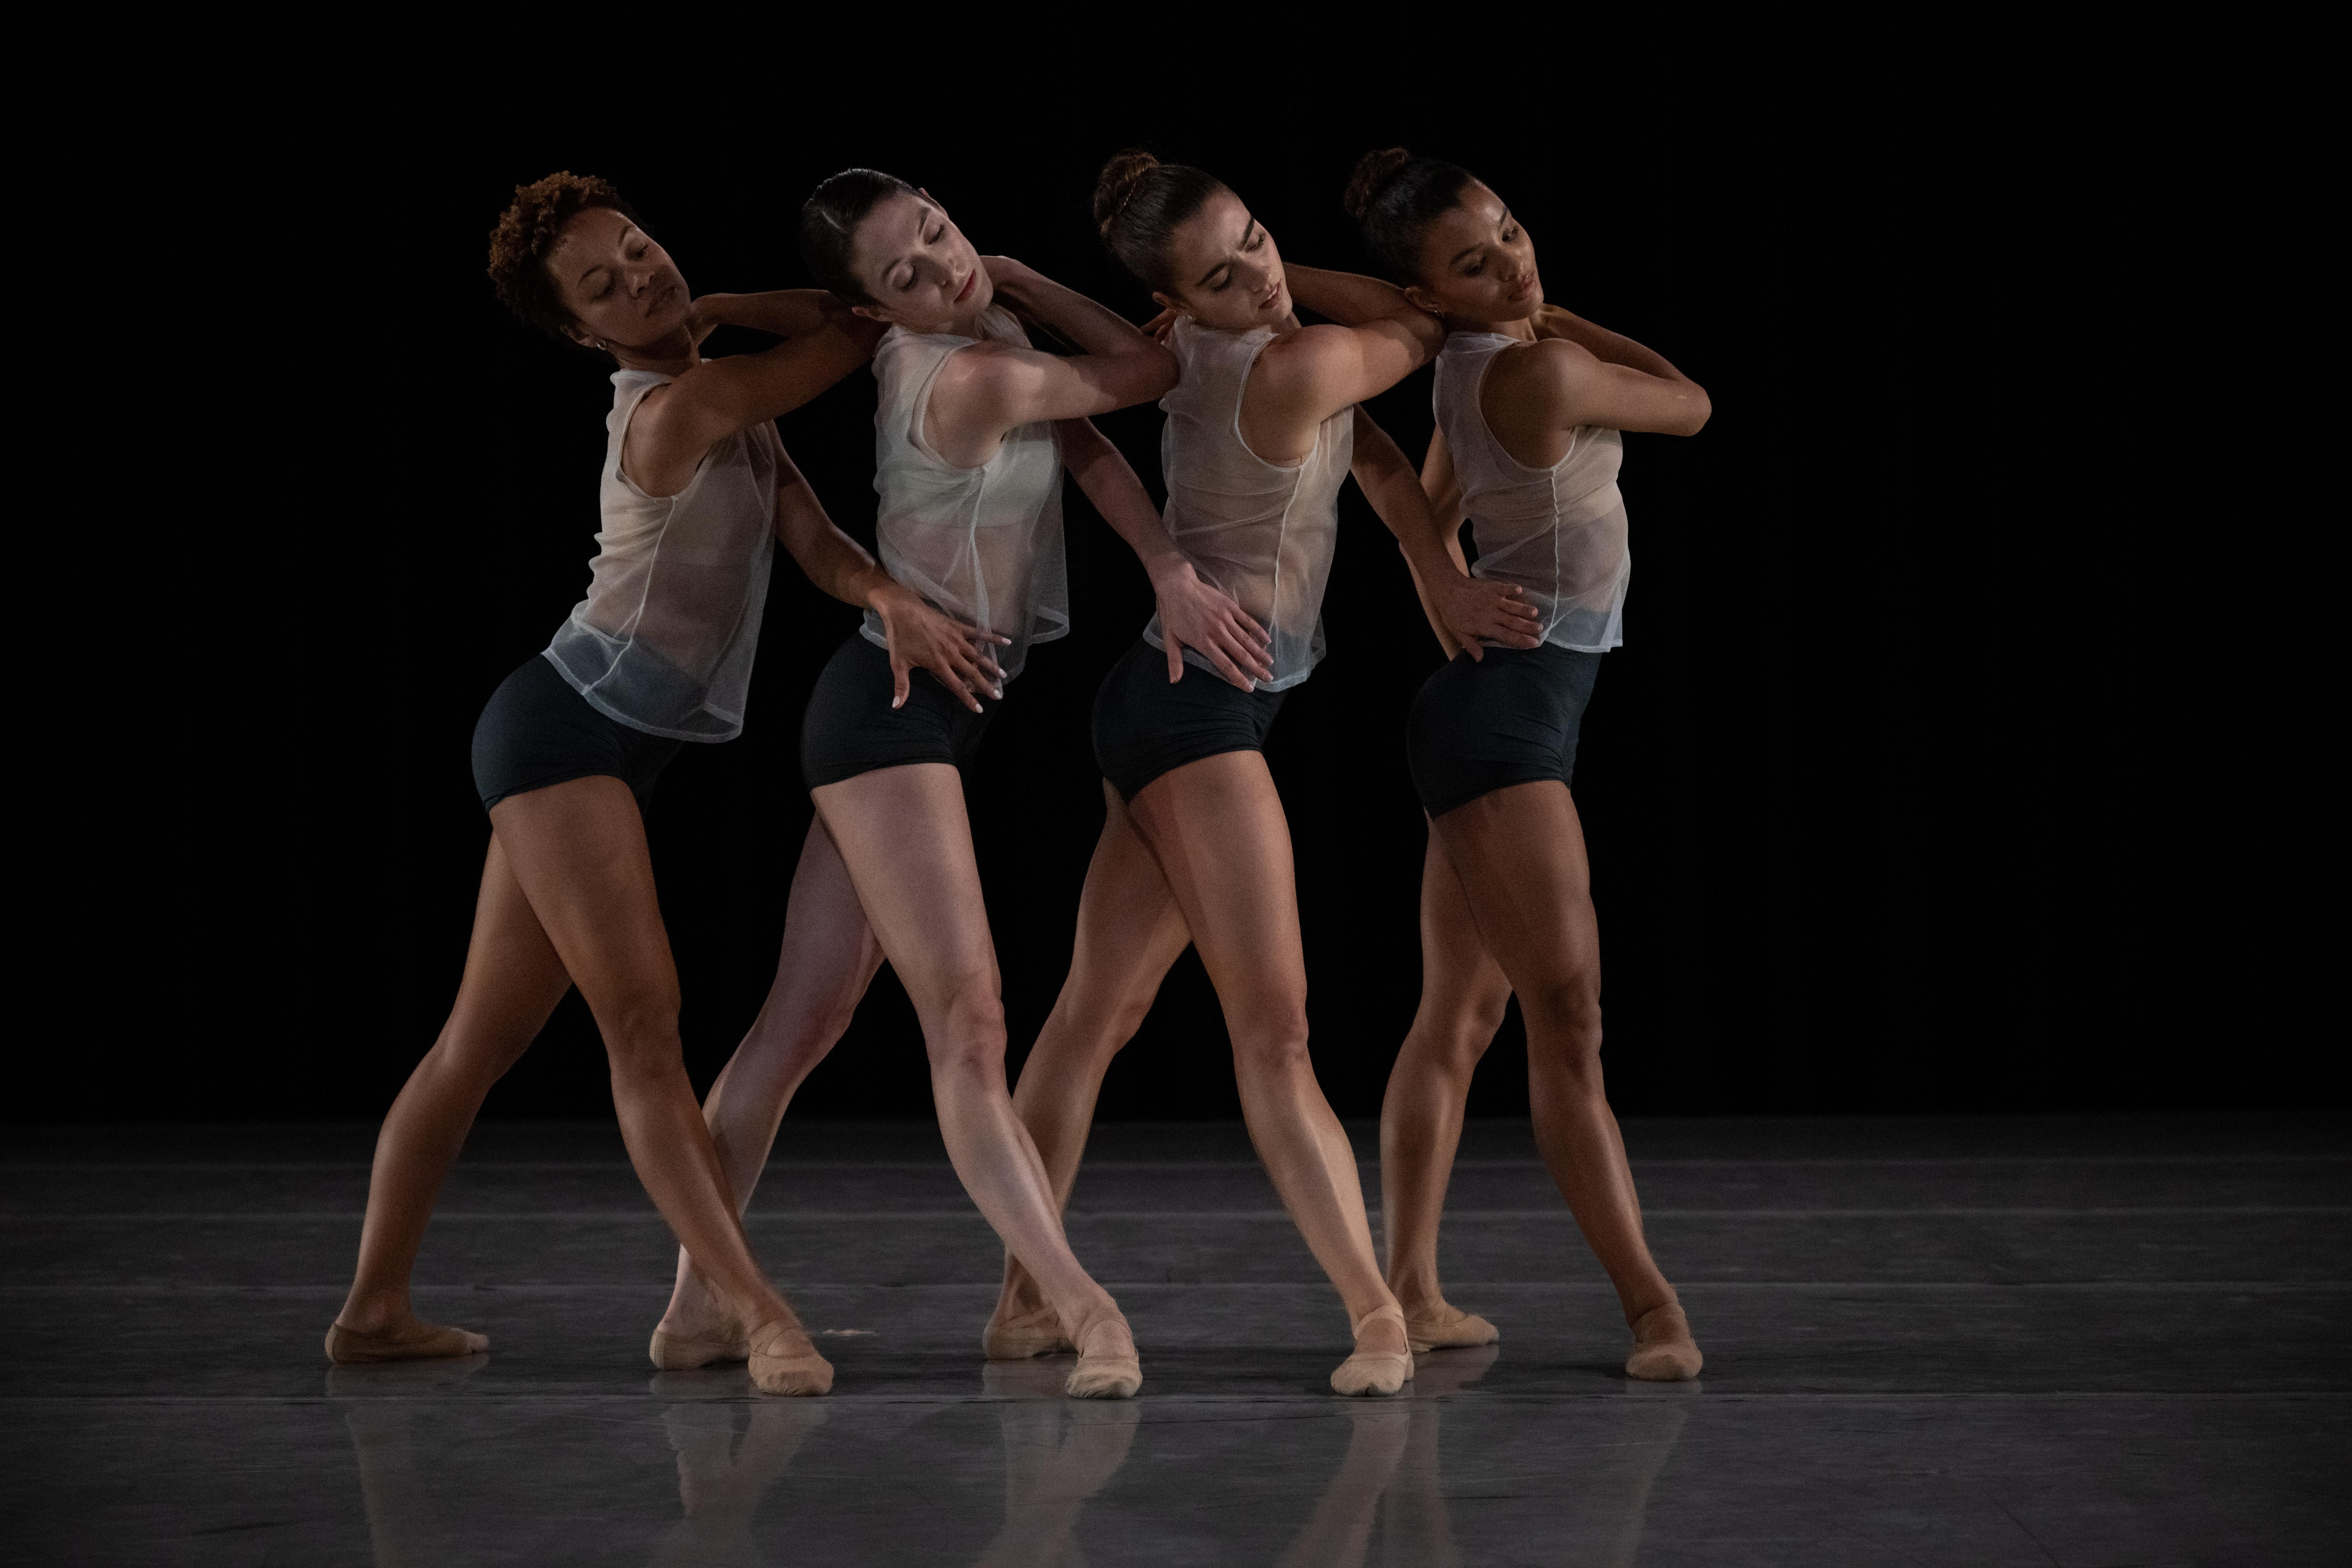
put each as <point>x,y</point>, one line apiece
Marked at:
<point>1965,1342</point>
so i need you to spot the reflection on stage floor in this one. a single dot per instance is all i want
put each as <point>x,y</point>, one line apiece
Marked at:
<point>1957,1341</point>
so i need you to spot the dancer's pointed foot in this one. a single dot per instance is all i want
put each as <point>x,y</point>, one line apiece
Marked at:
<point>1108,1366</point>
<point>415,1341</point>
<point>1663,1350</point>
<point>1385,1365</point>
<point>1017,1336</point>
<point>784,1362</point>
<point>673,1351</point>
<point>1437,1326</point>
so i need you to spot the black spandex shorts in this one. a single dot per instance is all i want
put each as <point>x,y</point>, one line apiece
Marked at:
<point>536,731</point>
<point>851,728</point>
<point>1146,726</point>
<point>1508,719</point>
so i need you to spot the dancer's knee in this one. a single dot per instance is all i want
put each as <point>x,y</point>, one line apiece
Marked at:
<point>641,1039</point>
<point>1273,1045</point>
<point>970,1035</point>
<point>1564,1032</point>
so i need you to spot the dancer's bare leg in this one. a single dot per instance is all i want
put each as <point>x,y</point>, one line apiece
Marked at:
<point>1463,994</point>
<point>1129,932</point>
<point>512,982</point>
<point>829,959</point>
<point>571,859</point>
<point>1519,852</point>
<point>1217,830</point>
<point>904,836</point>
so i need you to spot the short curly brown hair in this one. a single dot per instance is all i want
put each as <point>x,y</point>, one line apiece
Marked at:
<point>529,229</point>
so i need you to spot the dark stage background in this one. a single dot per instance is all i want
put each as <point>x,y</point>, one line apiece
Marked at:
<point>1959,755</point>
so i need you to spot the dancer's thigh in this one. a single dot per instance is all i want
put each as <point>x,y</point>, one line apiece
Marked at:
<point>1217,830</point>
<point>1519,852</point>
<point>578,852</point>
<point>906,841</point>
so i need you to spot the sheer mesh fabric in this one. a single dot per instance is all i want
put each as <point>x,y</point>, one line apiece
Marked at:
<point>1262,532</point>
<point>983,544</point>
<point>1558,533</point>
<point>665,639</point>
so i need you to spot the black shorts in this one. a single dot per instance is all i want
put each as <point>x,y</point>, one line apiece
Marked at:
<point>1508,719</point>
<point>851,728</point>
<point>535,730</point>
<point>1146,726</point>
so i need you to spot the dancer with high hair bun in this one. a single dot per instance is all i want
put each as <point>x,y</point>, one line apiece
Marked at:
<point>973,433</point>
<point>1530,400</point>
<point>1262,429</point>
<point>697,489</point>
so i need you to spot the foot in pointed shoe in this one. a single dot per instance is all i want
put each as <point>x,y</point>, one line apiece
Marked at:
<point>1663,1350</point>
<point>1017,1335</point>
<point>683,1349</point>
<point>1437,1326</point>
<point>411,1340</point>
<point>784,1362</point>
<point>1382,1363</point>
<point>1107,1366</point>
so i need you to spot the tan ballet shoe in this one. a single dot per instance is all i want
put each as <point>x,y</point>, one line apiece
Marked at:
<point>1108,1367</point>
<point>1440,1327</point>
<point>1663,1350</point>
<point>684,1352</point>
<point>784,1362</point>
<point>349,1347</point>
<point>1379,1372</point>
<point>1028,1334</point>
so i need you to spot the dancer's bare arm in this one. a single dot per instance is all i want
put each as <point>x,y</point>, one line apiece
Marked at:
<point>1468,608</point>
<point>1443,487</point>
<point>919,634</point>
<point>985,390</point>
<point>1306,376</point>
<point>1349,298</point>
<point>713,399</point>
<point>1587,375</point>
<point>1192,613</point>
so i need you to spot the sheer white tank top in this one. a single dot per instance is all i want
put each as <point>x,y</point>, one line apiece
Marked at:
<point>983,544</point>
<point>1558,533</point>
<point>664,640</point>
<point>1262,532</point>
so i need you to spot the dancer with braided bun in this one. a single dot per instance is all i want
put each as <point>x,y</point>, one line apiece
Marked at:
<point>974,431</point>
<point>697,489</point>
<point>1530,400</point>
<point>1262,429</point>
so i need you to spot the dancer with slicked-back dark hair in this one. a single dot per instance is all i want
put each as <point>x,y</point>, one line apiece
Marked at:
<point>697,489</point>
<point>1529,402</point>
<point>972,434</point>
<point>1262,429</point>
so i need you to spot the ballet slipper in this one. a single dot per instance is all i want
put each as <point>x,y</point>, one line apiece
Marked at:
<point>784,1362</point>
<point>684,1352</point>
<point>1375,1372</point>
<point>1663,1350</point>
<point>1108,1367</point>
<point>1024,1335</point>
<point>1439,1326</point>
<point>349,1347</point>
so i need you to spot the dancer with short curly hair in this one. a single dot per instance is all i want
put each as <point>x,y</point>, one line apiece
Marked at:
<point>697,489</point>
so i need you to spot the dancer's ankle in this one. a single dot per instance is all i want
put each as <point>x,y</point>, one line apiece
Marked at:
<point>377,1318</point>
<point>1637,1302</point>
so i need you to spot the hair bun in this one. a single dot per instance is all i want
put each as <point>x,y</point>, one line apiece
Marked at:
<point>1373,172</point>
<point>1116,185</point>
